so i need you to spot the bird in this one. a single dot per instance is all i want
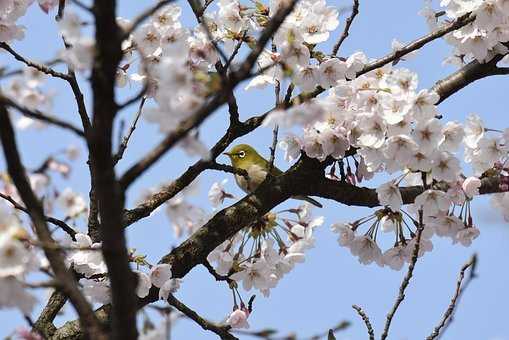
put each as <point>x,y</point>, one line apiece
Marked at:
<point>245,157</point>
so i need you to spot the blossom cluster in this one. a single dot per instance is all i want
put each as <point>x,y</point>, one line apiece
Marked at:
<point>18,258</point>
<point>482,39</point>
<point>309,24</point>
<point>383,123</point>
<point>27,90</point>
<point>12,10</point>
<point>86,258</point>
<point>260,255</point>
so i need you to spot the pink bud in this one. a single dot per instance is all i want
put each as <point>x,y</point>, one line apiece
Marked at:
<point>238,319</point>
<point>47,5</point>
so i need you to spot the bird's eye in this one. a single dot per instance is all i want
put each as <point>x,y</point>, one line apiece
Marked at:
<point>242,154</point>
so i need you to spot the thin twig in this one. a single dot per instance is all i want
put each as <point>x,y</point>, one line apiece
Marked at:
<point>222,331</point>
<point>198,13</point>
<point>40,67</point>
<point>418,43</point>
<point>6,74</point>
<point>43,117</point>
<point>83,6</point>
<point>346,31</point>
<point>217,276</point>
<point>123,146</point>
<point>273,148</point>
<point>59,223</point>
<point>61,9</point>
<point>277,95</point>
<point>235,51</point>
<point>406,280</point>
<point>365,318</point>
<point>460,288</point>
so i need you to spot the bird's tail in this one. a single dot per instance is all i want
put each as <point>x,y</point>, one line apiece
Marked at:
<point>310,200</point>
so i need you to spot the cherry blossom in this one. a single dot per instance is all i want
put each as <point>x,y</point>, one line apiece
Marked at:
<point>87,258</point>
<point>389,194</point>
<point>238,318</point>
<point>471,186</point>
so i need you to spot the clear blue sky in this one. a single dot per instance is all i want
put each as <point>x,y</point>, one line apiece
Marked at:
<point>320,292</point>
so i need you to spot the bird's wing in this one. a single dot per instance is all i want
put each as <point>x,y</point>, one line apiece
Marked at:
<point>275,171</point>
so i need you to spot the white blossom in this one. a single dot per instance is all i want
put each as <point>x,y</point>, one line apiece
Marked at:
<point>389,195</point>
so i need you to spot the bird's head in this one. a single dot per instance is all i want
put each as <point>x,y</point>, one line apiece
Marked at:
<point>243,156</point>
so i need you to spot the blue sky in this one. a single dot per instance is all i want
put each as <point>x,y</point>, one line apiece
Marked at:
<point>319,293</point>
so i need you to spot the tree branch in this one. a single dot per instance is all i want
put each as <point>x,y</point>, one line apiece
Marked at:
<point>406,280</point>
<point>416,44</point>
<point>109,195</point>
<point>38,115</point>
<point>155,200</point>
<point>365,318</point>
<point>227,168</point>
<point>222,331</point>
<point>123,146</point>
<point>213,272</point>
<point>40,67</point>
<point>17,172</point>
<point>6,73</point>
<point>44,324</point>
<point>447,318</point>
<point>389,58</point>
<point>466,75</point>
<point>59,223</point>
<point>346,31</point>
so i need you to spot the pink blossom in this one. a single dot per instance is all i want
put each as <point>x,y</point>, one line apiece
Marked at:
<point>238,318</point>
<point>471,186</point>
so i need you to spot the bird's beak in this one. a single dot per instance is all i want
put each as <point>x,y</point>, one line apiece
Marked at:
<point>227,154</point>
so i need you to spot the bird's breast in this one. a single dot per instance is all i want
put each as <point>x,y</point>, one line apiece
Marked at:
<point>256,176</point>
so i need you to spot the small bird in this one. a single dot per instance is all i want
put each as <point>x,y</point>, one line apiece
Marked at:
<point>245,157</point>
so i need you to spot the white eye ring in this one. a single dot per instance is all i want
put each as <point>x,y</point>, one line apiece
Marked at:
<point>242,154</point>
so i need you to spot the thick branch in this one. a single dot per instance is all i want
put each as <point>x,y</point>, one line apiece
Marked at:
<point>34,207</point>
<point>44,324</point>
<point>71,330</point>
<point>106,188</point>
<point>466,75</point>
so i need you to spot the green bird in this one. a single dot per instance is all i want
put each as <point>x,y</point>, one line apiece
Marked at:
<point>245,157</point>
